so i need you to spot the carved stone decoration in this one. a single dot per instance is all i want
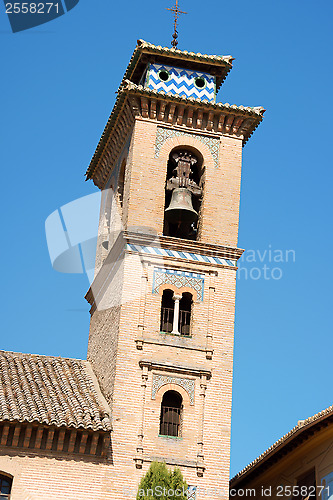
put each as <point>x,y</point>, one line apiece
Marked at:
<point>164,133</point>
<point>183,172</point>
<point>179,279</point>
<point>186,383</point>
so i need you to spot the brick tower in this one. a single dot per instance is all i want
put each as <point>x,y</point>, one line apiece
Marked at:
<point>163,297</point>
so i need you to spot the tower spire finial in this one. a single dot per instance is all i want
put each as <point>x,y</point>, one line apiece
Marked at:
<point>176,11</point>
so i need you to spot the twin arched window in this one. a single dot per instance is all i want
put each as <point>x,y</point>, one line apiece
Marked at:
<point>176,313</point>
<point>171,414</point>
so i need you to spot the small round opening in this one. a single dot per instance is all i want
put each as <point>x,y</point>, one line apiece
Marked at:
<point>163,75</point>
<point>200,82</point>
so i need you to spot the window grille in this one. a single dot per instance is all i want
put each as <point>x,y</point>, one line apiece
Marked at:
<point>171,414</point>
<point>170,421</point>
<point>166,319</point>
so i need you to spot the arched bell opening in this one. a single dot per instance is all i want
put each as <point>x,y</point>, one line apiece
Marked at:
<point>171,414</point>
<point>183,192</point>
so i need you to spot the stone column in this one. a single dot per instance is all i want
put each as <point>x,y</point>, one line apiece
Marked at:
<point>175,329</point>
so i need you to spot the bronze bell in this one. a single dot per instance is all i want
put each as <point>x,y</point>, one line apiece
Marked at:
<point>180,208</point>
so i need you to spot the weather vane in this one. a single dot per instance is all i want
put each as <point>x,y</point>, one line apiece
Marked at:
<point>176,11</point>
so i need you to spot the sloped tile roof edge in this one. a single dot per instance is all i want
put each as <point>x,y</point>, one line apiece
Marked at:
<point>92,375</point>
<point>142,44</point>
<point>52,391</point>
<point>301,427</point>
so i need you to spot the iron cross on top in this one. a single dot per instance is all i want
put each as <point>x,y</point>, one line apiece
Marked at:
<point>176,11</point>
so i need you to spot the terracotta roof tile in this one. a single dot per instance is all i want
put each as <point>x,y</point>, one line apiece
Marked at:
<point>142,44</point>
<point>51,391</point>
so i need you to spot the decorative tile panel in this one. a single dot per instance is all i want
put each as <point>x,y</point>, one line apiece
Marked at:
<point>181,82</point>
<point>162,252</point>
<point>164,133</point>
<point>179,279</point>
<point>187,384</point>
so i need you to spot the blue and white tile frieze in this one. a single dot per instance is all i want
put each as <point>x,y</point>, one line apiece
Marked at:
<point>163,252</point>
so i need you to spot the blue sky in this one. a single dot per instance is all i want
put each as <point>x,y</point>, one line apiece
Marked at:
<point>58,88</point>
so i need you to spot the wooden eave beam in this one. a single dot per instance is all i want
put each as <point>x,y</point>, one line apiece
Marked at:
<point>17,435</point>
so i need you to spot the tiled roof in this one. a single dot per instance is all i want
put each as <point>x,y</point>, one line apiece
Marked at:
<point>51,391</point>
<point>184,53</point>
<point>144,46</point>
<point>224,62</point>
<point>300,429</point>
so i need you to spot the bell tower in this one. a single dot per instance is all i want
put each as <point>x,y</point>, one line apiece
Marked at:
<point>163,297</point>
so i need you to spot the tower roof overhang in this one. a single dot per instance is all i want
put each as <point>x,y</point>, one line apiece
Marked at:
<point>146,52</point>
<point>137,100</point>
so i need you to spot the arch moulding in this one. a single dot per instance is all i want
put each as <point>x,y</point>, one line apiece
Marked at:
<point>185,141</point>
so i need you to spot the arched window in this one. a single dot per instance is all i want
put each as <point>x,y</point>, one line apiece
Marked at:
<point>185,309</point>
<point>5,486</point>
<point>167,311</point>
<point>171,414</point>
<point>183,193</point>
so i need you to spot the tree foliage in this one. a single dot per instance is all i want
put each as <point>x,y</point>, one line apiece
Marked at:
<point>161,483</point>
